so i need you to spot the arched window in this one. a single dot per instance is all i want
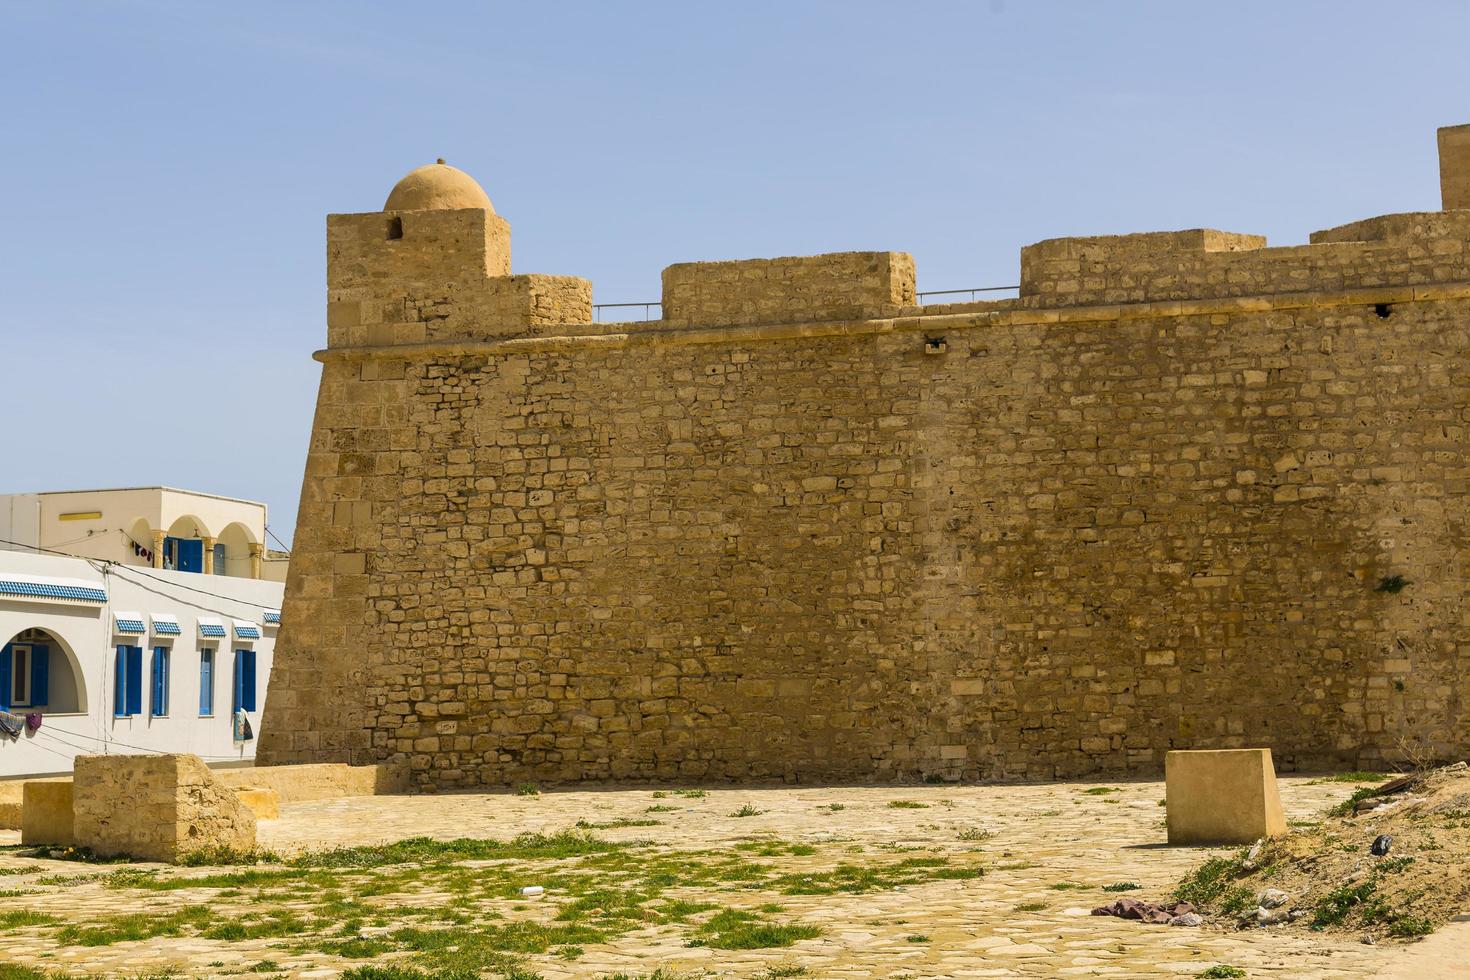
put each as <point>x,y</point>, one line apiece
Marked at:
<point>38,673</point>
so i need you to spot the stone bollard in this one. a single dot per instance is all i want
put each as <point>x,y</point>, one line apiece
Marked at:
<point>1222,796</point>
<point>46,813</point>
<point>156,807</point>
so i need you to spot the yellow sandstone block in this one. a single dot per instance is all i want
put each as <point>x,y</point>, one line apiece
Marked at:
<point>1222,796</point>
<point>264,803</point>
<point>46,813</point>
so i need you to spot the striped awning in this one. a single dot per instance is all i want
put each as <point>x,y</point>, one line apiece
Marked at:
<point>211,629</point>
<point>166,624</point>
<point>272,617</point>
<point>62,589</point>
<point>246,630</point>
<point>129,622</point>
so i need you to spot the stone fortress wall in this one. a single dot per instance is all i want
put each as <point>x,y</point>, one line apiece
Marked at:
<point>1185,492</point>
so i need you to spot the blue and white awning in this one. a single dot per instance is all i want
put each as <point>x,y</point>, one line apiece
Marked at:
<point>58,589</point>
<point>247,631</point>
<point>166,624</point>
<point>129,623</point>
<point>211,629</point>
<point>272,617</point>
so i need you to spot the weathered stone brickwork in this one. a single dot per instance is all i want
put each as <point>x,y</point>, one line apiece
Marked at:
<point>155,807</point>
<point>1186,492</point>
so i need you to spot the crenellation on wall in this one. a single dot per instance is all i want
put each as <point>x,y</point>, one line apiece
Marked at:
<point>1454,167</point>
<point>412,277</point>
<point>835,286</point>
<point>1392,250</point>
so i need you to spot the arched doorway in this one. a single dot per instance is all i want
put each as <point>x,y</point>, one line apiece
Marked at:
<point>39,673</point>
<point>232,551</point>
<point>183,545</point>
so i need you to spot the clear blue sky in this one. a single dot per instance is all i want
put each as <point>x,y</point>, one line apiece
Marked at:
<point>168,164</point>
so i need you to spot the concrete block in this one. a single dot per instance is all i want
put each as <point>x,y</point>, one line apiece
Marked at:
<point>1222,796</point>
<point>46,813</point>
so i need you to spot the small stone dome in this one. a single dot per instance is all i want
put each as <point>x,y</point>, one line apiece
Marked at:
<point>437,187</point>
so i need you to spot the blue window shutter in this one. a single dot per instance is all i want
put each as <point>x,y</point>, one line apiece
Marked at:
<point>7,658</point>
<point>206,682</point>
<point>119,682</point>
<point>249,680</point>
<point>135,680</point>
<point>40,675</point>
<point>159,705</point>
<point>239,697</point>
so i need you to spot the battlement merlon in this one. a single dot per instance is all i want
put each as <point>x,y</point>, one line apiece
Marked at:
<point>423,276</point>
<point>794,289</point>
<point>1388,251</point>
<point>1454,167</point>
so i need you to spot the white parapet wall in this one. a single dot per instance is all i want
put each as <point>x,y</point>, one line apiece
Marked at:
<point>193,649</point>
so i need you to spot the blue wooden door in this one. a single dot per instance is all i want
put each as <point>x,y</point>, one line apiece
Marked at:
<point>191,555</point>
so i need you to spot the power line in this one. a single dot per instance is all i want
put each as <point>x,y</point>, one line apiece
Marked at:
<point>116,567</point>
<point>284,546</point>
<point>112,741</point>
<point>119,567</point>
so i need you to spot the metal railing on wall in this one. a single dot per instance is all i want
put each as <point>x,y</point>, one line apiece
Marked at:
<point>971,293</point>
<point>922,298</point>
<point>597,309</point>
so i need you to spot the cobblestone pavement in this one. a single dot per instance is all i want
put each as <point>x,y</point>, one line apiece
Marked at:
<point>1047,851</point>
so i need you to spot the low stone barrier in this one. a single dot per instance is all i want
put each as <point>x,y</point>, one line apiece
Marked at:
<point>46,813</point>
<point>11,800</point>
<point>156,807</point>
<point>318,781</point>
<point>1222,796</point>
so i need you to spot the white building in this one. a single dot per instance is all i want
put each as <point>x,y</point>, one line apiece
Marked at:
<point>114,655</point>
<point>146,526</point>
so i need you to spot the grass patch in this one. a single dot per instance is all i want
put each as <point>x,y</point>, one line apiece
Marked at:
<point>615,824</point>
<point>1411,927</point>
<point>1349,806</point>
<point>17,918</point>
<point>135,926</point>
<point>975,834</point>
<point>747,811</point>
<point>1207,883</point>
<point>1222,971</point>
<point>916,939</point>
<point>1336,905</point>
<point>735,929</point>
<point>10,972</point>
<point>1065,886</point>
<point>907,805</point>
<point>1029,907</point>
<point>855,880</point>
<point>1101,790</point>
<point>215,857</point>
<point>1360,776</point>
<point>426,850</point>
<point>1122,886</point>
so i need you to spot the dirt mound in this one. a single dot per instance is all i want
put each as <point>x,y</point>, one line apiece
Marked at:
<point>1342,875</point>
